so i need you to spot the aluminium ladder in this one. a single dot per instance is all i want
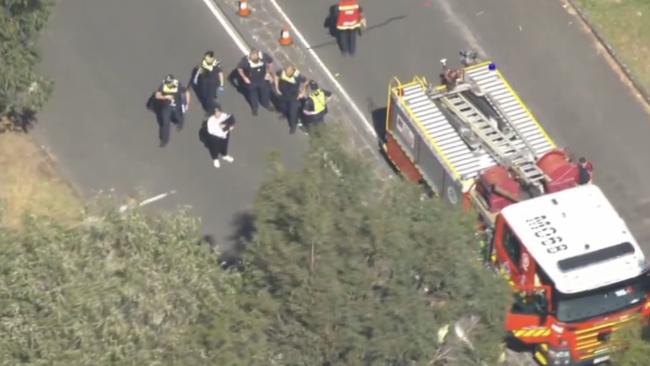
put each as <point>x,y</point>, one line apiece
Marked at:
<point>503,147</point>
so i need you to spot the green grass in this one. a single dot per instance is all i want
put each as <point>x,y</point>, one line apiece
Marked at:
<point>626,26</point>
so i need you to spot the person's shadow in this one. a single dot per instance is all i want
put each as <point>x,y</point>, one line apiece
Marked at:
<point>330,21</point>
<point>153,106</point>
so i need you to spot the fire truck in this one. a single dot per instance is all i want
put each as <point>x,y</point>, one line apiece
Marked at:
<point>576,271</point>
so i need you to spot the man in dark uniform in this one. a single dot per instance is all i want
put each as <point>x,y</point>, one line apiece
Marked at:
<point>585,171</point>
<point>288,84</point>
<point>315,104</point>
<point>256,70</point>
<point>207,80</point>
<point>172,101</point>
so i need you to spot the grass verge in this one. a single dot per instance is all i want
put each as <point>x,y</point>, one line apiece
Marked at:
<point>626,26</point>
<point>29,183</point>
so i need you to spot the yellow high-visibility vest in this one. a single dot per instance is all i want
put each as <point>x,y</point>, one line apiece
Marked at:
<point>318,98</point>
<point>170,88</point>
<point>207,65</point>
<point>291,79</point>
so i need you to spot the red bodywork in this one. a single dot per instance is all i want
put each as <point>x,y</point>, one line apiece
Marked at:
<point>499,189</point>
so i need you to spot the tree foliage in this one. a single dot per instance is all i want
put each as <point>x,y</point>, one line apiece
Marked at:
<point>22,90</point>
<point>636,337</point>
<point>123,290</point>
<point>357,271</point>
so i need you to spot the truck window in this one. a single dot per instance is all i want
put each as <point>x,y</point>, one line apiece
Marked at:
<point>529,303</point>
<point>512,246</point>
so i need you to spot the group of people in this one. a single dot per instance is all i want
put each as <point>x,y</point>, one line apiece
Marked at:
<point>303,102</point>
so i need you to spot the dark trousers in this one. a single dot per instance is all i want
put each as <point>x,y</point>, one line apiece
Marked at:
<point>207,93</point>
<point>347,40</point>
<point>259,94</point>
<point>290,107</point>
<point>166,116</point>
<point>311,119</point>
<point>217,146</point>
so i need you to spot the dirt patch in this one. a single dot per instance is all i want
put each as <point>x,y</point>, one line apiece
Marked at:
<point>30,183</point>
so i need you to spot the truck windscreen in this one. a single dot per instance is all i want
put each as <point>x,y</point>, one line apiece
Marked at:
<point>603,301</point>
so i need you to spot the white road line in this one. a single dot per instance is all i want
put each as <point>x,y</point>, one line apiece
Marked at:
<point>241,44</point>
<point>320,63</point>
<point>245,49</point>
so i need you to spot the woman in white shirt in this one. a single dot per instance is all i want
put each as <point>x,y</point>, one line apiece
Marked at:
<point>215,133</point>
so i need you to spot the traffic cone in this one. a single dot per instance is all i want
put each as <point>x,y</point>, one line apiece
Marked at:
<point>244,10</point>
<point>285,37</point>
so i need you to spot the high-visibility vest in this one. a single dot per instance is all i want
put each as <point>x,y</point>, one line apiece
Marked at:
<point>170,88</point>
<point>318,99</point>
<point>207,65</point>
<point>349,15</point>
<point>288,79</point>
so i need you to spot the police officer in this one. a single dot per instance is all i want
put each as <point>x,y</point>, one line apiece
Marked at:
<point>315,104</point>
<point>349,21</point>
<point>288,86</point>
<point>173,100</point>
<point>256,70</point>
<point>207,80</point>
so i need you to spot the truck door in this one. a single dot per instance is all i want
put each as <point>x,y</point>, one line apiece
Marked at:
<point>528,316</point>
<point>509,251</point>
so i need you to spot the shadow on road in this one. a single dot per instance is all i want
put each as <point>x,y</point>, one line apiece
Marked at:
<point>236,243</point>
<point>379,123</point>
<point>330,24</point>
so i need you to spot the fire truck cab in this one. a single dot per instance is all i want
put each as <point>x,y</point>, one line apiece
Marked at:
<point>576,271</point>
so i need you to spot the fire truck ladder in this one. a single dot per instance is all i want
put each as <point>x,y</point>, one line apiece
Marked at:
<point>501,145</point>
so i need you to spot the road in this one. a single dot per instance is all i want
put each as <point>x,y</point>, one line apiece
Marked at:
<point>98,128</point>
<point>106,57</point>
<point>542,49</point>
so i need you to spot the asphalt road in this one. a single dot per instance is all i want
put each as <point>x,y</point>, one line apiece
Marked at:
<point>548,57</point>
<point>106,58</point>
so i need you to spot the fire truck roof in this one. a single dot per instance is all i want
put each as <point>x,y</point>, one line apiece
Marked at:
<point>577,238</point>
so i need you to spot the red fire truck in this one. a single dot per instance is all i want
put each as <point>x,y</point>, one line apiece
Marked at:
<point>576,271</point>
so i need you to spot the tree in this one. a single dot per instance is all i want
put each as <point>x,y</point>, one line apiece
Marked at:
<point>636,337</point>
<point>22,90</point>
<point>120,290</point>
<point>356,271</point>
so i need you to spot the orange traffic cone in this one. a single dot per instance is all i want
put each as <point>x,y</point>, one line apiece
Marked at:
<point>244,10</point>
<point>285,37</point>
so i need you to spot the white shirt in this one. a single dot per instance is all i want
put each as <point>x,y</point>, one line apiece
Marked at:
<point>214,125</point>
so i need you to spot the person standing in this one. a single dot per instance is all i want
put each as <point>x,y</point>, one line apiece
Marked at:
<point>585,171</point>
<point>207,80</point>
<point>215,135</point>
<point>349,21</point>
<point>256,70</point>
<point>315,104</point>
<point>172,101</point>
<point>288,85</point>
